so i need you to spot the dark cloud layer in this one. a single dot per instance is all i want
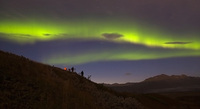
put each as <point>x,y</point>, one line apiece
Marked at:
<point>178,42</point>
<point>112,36</point>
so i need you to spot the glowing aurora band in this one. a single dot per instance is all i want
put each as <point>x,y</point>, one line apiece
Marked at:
<point>117,54</point>
<point>31,31</point>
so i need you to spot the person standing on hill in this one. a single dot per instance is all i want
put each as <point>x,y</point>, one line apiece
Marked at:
<point>82,73</point>
<point>72,69</point>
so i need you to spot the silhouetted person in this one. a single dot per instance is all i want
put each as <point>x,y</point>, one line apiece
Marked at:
<point>72,69</point>
<point>82,73</point>
<point>69,70</point>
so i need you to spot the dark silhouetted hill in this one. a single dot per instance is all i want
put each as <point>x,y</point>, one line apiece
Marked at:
<point>26,84</point>
<point>161,83</point>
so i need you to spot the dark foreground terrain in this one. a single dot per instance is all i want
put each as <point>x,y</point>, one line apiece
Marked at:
<point>25,84</point>
<point>173,100</point>
<point>164,92</point>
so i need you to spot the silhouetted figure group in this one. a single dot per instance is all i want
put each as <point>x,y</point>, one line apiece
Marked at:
<point>73,70</point>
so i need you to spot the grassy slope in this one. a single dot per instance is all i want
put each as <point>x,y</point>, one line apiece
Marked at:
<point>172,100</point>
<point>26,84</point>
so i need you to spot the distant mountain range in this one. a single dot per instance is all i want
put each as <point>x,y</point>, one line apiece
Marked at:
<point>160,83</point>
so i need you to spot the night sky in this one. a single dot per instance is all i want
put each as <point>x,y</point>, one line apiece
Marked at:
<point>115,41</point>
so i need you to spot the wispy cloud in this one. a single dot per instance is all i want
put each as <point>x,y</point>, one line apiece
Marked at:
<point>112,36</point>
<point>178,42</point>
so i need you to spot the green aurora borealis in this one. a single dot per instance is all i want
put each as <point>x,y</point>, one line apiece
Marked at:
<point>105,38</point>
<point>117,55</point>
<point>117,31</point>
<point>33,31</point>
